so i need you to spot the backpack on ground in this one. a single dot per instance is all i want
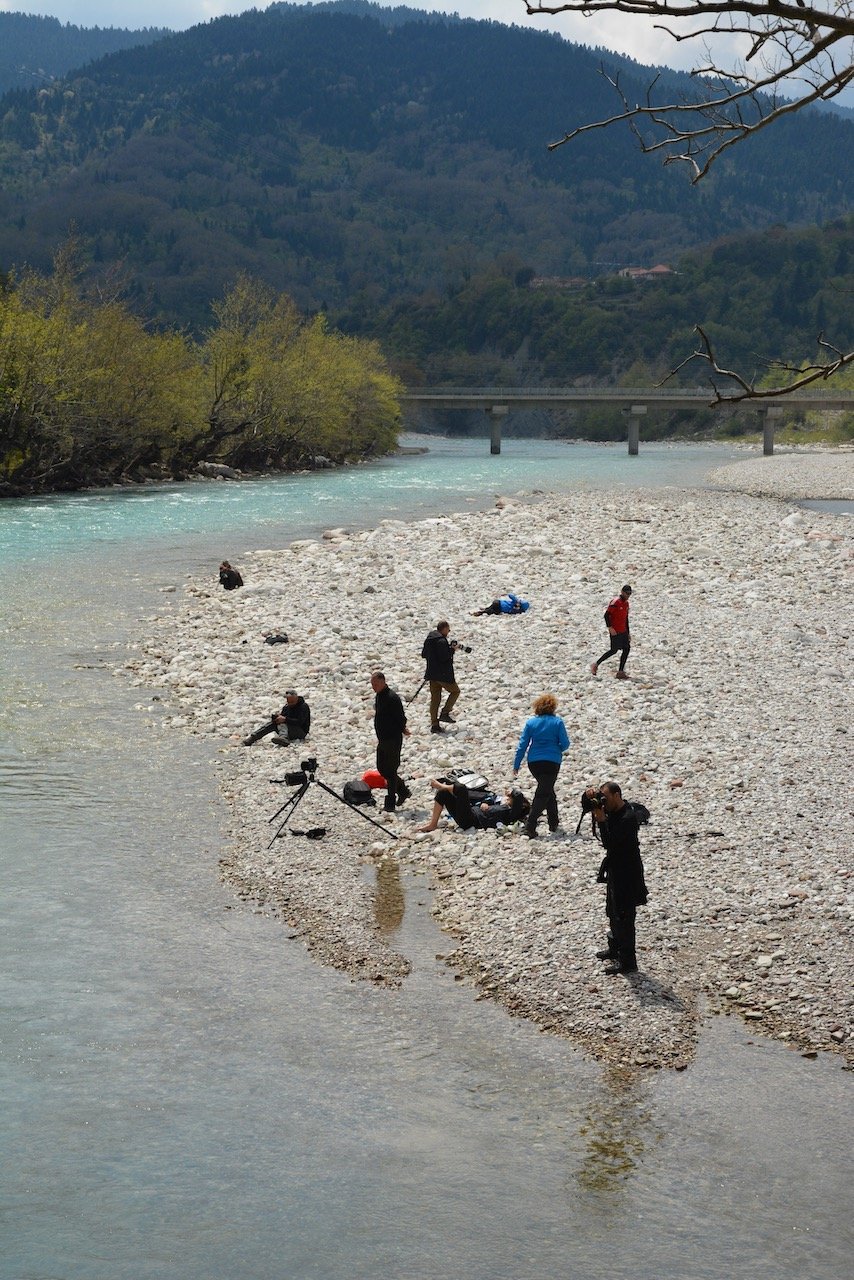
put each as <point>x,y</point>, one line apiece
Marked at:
<point>358,792</point>
<point>466,778</point>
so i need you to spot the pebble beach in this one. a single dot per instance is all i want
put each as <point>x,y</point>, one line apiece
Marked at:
<point>733,730</point>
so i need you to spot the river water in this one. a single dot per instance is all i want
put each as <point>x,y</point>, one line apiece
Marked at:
<point>186,1094</point>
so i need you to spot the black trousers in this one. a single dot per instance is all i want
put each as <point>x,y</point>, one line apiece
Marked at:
<point>620,643</point>
<point>545,772</point>
<point>388,763</point>
<point>284,733</point>
<point>458,806</point>
<point>621,918</point>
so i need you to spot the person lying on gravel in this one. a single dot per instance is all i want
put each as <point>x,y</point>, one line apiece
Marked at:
<point>291,724</point>
<point>485,815</point>
<point>509,604</point>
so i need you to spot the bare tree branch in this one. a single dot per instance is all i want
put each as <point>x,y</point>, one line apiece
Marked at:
<point>797,54</point>
<point>804,375</point>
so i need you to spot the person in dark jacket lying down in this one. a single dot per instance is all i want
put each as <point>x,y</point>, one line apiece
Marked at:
<point>454,797</point>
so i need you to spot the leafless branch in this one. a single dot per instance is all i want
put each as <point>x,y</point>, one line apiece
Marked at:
<point>804,375</point>
<point>800,50</point>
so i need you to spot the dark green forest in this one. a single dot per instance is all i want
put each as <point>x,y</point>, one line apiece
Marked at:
<point>35,50</point>
<point>384,176</point>
<point>353,162</point>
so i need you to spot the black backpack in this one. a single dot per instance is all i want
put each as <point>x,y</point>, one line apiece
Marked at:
<point>358,792</point>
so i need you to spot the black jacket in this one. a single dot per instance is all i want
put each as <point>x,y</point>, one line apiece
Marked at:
<point>439,657</point>
<point>230,578</point>
<point>622,867</point>
<point>299,714</point>
<point>389,715</point>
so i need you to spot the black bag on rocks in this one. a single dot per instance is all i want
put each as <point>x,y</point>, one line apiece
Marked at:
<point>358,792</point>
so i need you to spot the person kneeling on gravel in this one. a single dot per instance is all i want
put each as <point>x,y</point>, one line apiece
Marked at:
<point>483,816</point>
<point>622,873</point>
<point>291,724</point>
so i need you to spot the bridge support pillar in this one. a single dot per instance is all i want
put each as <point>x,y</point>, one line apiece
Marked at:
<point>635,414</point>
<point>496,413</point>
<point>770,415</point>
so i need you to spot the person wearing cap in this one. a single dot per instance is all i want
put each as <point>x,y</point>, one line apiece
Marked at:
<point>617,622</point>
<point>291,724</point>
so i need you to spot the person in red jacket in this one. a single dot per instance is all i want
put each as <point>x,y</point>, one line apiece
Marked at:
<point>617,622</point>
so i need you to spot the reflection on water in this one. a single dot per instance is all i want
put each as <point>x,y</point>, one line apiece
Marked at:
<point>618,1129</point>
<point>389,902</point>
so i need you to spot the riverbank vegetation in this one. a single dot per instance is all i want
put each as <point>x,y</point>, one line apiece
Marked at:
<point>90,395</point>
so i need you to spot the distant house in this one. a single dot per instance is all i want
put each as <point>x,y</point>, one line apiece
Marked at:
<point>646,273</point>
<point>558,282</point>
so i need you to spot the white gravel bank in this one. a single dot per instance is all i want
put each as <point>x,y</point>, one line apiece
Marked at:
<point>791,476</point>
<point>733,730</point>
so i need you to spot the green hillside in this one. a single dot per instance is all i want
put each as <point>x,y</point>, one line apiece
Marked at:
<point>34,50</point>
<point>354,162</point>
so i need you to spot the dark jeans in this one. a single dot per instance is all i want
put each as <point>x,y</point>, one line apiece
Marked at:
<point>284,733</point>
<point>621,918</point>
<point>545,772</point>
<point>619,642</point>
<point>458,806</point>
<point>388,763</point>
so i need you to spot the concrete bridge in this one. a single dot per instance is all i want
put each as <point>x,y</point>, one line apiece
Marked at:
<point>635,402</point>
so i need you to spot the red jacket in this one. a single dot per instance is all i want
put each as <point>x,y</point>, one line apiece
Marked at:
<point>617,615</point>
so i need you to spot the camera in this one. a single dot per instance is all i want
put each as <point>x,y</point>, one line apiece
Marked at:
<point>464,648</point>
<point>591,802</point>
<point>305,772</point>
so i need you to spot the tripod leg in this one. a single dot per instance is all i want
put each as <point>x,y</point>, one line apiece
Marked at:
<point>290,805</point>
<point>358,812</point>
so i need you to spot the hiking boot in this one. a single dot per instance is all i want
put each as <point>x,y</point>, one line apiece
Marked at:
<point>403,794</point>
<point>388,804</point>
<point>446,718</point>
<point>607,954</point>
<point>620,968</point>
<point>594,668</point>
<point>622,675</point>
<point>531,833</point>
<point>436,728</point>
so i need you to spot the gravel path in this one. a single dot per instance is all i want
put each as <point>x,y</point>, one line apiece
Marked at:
<point>733,730</point>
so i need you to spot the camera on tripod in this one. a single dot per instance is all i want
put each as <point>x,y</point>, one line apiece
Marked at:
<point>305,773</point>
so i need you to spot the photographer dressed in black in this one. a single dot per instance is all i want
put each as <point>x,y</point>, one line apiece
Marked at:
<point>391,728</point>
<point>291,724</point>
<point>622,873</point>
<point>438,652</point>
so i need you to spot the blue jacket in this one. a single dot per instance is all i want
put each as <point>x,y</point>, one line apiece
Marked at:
<point>544,738</point>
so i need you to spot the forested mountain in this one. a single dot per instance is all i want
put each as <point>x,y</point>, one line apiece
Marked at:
<point>34,51</point>
<point>356,159</point>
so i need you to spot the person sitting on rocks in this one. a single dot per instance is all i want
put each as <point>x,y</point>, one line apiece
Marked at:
<point>229,577</point>
<point>291,724</point>
<point>509,605</point>
<point>485,815</point>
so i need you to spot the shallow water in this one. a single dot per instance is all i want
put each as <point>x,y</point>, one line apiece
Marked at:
<point>188,1095</point>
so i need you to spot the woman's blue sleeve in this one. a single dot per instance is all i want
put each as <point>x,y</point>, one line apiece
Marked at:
<point>524,739</point>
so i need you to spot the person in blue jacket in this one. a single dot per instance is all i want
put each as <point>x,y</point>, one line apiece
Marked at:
<point>509,604</point>
<point>544,739</point>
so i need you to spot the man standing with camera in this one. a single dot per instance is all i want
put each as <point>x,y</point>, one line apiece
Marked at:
<point>622,873</point>
<point>391,728</point>
<point>438,652</point>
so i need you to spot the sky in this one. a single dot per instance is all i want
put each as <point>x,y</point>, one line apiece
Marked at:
<point>613,31</point>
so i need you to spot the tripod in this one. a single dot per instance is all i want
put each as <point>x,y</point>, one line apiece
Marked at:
<point>417,691</point>
<point>289,807</point>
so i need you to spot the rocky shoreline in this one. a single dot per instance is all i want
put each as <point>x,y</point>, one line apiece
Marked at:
<point>733,730</point>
